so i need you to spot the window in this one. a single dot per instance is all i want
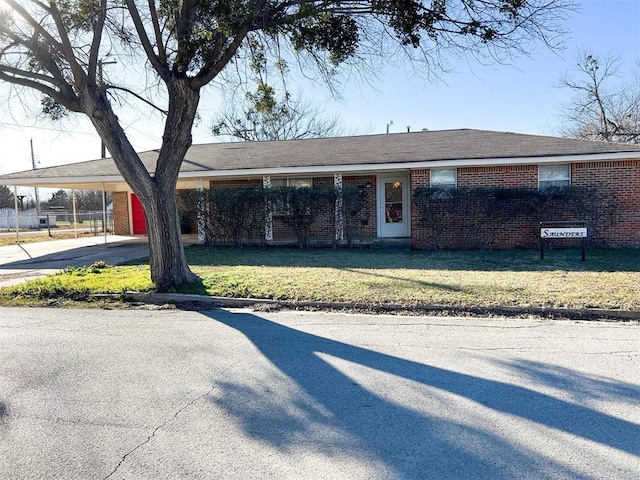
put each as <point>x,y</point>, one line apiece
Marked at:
<point>443,178</point>
<point>291,182</point>
<point>281,207</point>
<point>553,176</point>
<point>393,202</point>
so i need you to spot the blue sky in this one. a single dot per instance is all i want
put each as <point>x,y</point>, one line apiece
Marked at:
<point>521,97</point>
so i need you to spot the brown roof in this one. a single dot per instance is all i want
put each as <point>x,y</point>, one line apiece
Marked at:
<point>381,149</point>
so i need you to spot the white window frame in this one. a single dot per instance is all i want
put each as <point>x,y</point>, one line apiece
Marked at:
<point>555,179</point>
<point>292,182</point>
<point>445,185</point>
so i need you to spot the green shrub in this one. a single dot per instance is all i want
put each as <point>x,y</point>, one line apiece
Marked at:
<point>474,216</point>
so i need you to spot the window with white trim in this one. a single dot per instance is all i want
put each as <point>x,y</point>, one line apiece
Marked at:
<point>444,177</point>
<point>292,182</point>
<point>550,176</point>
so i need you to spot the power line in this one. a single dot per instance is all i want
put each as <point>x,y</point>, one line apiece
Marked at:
<point>8,124</point>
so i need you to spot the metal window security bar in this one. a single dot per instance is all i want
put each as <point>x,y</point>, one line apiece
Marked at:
<point>561,230</point>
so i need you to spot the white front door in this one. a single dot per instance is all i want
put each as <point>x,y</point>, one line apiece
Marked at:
<point>393,206</point>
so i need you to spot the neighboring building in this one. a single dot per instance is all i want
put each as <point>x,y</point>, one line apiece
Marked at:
<point>388,169</point>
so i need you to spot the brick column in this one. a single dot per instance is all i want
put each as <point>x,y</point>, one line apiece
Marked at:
<point>121,213</point>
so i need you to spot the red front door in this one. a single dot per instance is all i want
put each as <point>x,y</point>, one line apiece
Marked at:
<point>137,212</point>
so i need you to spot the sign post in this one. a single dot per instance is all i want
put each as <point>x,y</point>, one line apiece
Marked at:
<point>563,229</point>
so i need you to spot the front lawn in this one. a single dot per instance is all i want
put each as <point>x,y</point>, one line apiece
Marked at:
<point>609,279</point>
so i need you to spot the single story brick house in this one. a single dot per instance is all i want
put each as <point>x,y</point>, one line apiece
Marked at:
<point>391,169</point>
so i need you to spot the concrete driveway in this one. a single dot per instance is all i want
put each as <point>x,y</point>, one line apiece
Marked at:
<point>27,261</point>
<point>235,394</point>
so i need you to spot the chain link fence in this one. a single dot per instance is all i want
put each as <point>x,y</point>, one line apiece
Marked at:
<point>58,219</point>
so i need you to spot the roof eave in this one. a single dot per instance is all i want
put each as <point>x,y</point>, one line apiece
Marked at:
<point>99,181</point>
<point>390,166</point>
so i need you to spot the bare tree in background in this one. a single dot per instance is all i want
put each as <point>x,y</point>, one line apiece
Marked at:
<point>602,107</point>
<point>260,115</point>
<point>6,197</point>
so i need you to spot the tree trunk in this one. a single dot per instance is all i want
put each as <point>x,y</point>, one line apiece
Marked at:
<point>166,252</point>
<point>156,190</point>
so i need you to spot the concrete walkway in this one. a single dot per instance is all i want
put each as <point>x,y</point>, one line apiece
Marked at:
<point>22,262</point>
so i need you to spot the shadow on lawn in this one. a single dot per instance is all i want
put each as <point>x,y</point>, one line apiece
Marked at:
<point>400,281</point>
<point>330,412</point>
<point>623,260</point>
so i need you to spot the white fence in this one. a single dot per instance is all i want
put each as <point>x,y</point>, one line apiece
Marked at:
<point>26,218</point>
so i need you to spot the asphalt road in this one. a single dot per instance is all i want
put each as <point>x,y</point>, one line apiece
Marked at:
<point>168,394</point>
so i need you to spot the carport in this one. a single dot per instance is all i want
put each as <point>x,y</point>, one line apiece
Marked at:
<point>98,175</point>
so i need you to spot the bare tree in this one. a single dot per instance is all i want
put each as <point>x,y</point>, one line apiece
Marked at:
<point>61,198</point>
<point>602,107</point>
<point>262,116</point>
<point>91,200</point>
<point>56,48</point>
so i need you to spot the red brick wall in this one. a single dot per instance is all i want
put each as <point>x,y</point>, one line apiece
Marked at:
<point>419,177</point>
<point>622,177</point>
<point>519,232</point>
<point>324,226</point>
<point>370,229</point>
<point>257,234</point>
<point>120,213</point>
<point>502,176</point>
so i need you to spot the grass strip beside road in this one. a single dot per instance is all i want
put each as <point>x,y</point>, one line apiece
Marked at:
<point>609,279</point>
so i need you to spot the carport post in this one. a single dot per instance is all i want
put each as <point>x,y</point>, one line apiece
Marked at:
<point>73,206</point>
<point>104,213</point>
<point>15,201</point>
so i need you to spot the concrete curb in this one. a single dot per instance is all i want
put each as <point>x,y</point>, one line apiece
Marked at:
<point>205,301</point>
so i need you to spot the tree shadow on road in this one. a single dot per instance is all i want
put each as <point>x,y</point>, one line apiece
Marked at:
<point>332,412</point>
<point>574,383</point>
<point>4,412</point>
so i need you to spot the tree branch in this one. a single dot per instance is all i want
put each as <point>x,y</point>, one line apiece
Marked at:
<point>67,51</point>
<point>139,97</point>
<point>58,97</point>
<point>35,24</point>
<point>157,63</point>
<point>94,51</point>
<point>162,53</point>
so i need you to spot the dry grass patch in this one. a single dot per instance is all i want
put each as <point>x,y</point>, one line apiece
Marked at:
<point>609,279</point>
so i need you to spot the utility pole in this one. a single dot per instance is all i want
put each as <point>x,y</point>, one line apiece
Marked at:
<point>103,148</point>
